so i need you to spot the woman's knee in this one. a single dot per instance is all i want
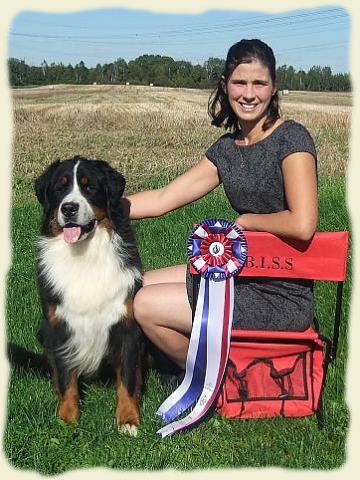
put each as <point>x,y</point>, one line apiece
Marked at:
<point>163,305</point>
<point>142,306</point>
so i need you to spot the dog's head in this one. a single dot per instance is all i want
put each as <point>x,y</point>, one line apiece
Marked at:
<point>77,194</point>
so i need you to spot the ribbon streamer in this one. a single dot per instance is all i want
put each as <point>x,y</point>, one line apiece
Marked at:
<point>191,386</point>
<point>217,249</point>
<point>217,353</point>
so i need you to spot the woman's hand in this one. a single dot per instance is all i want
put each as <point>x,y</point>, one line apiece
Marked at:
<point>241,222</point>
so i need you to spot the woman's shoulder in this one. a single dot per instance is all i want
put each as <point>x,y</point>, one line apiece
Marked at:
<point>217,150</point>
<point>224,138</point>
<point>290,126</point>
<point>223,141</point>
<point>295,137</point>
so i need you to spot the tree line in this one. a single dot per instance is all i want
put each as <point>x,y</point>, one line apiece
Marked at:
<point>165,71</point>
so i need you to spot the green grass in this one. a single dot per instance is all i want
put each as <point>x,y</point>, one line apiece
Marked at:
<point>36,440</point>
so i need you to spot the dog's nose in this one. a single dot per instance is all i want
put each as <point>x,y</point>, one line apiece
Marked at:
<point>69,209</point>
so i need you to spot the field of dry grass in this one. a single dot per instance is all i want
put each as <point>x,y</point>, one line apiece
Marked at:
<point>140,130</point>
<point>322,98</point>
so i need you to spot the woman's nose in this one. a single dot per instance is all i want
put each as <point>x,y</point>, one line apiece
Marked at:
<point>249,92</point>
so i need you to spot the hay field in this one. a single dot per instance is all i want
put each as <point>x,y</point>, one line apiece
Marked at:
<point>142,130</point>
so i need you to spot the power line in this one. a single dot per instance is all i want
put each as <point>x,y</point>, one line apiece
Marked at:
<point>294,32</point>
<point>278,21</point>
<point>198,23</point>
<point>321,46</point>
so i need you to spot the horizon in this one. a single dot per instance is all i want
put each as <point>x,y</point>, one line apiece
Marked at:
<point>179,60</point>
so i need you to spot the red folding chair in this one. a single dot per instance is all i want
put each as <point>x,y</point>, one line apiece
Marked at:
<point>277,373</point>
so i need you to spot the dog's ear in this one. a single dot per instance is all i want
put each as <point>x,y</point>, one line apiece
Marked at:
<point>42,184</point>
<point>115,186</point>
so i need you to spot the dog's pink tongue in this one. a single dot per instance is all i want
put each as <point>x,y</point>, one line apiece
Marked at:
<point>72,234</point>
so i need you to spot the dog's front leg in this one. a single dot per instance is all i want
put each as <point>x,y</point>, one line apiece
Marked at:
<point>127,406</point>
<point>53,334</point>
<point>68,408</point>
<point>67,389</point>
<point>129,373</point>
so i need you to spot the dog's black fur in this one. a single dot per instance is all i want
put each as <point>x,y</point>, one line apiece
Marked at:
<point>88,187</point>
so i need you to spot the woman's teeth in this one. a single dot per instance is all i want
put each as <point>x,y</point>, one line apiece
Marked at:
<point>248,106</point>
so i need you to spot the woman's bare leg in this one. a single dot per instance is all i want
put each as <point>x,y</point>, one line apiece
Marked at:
<point>174,274</point>
<point>162,309</point>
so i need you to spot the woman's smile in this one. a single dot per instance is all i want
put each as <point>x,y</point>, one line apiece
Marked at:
<point>248,107</point>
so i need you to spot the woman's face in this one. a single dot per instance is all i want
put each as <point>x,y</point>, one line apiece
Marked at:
<point>249,90</point>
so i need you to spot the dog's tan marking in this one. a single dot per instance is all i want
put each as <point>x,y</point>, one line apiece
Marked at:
<point>84,181</point>
<point>63,180</point>
<point>107,224</point>
<point>55,228</point>
<point>102,218</point>
<point>127,410</point>
<point>129,317</point>
<point>100,213</point>
<point>68,409</point>
<point>54,320</point>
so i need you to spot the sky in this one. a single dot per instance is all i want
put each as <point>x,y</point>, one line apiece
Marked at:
<point>301,38</point>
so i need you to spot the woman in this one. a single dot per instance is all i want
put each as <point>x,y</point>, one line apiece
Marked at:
<point>268,169</point>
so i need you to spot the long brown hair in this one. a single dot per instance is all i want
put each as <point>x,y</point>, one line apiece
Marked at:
<point>244,51</point>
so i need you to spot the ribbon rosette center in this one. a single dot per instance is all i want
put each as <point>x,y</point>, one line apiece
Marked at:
<point>216,249</point>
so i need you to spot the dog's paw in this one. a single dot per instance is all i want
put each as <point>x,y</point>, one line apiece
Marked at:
<point>68,413</point>
<point>128,429</point>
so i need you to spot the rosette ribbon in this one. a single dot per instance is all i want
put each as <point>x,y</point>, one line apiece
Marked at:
<point>217,249</point>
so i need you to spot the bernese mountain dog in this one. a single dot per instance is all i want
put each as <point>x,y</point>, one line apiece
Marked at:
<point>89,270</point>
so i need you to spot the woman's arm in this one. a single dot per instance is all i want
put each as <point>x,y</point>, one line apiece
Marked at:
<point>300,220</point>
<point>192,185</point>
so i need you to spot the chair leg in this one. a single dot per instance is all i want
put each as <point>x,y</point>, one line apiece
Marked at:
<point>320,413</point>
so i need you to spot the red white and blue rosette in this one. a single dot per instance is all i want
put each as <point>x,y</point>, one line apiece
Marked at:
<point>217,250</point>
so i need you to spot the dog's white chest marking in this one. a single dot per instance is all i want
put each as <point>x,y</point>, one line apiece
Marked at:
<point>93,284</point>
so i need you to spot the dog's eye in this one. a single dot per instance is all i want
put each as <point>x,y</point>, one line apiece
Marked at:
<point>61,184</point>
<point>89,187</point>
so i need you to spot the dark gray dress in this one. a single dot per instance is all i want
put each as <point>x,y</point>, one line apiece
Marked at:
<point>253,183</point>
